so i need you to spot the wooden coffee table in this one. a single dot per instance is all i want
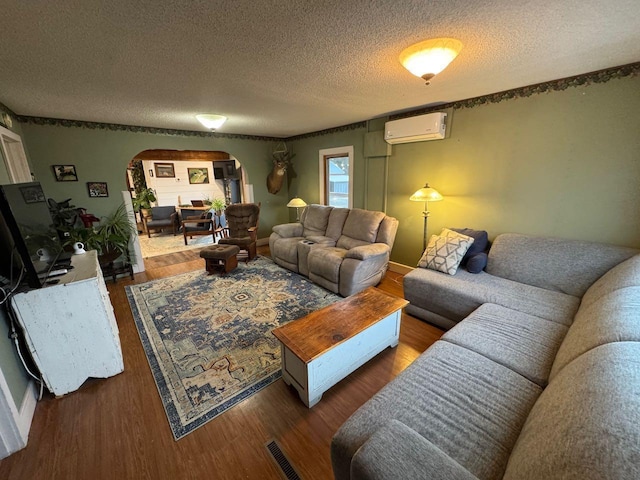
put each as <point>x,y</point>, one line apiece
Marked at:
<point>322,348</point>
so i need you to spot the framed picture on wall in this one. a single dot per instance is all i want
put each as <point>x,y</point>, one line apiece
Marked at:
<point>97,189</point>
<point>198,175</point>
<point>164,170</point>
<point>65,173</point>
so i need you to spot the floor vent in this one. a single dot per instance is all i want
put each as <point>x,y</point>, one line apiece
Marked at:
<point>282,461</point>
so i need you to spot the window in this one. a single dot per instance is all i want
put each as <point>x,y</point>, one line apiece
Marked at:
<point>336,177</point>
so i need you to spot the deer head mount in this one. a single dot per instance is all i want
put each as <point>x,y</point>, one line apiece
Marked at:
<point>281,160</point>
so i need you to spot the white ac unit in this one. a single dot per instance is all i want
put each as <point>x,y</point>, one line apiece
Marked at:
<point>416,129</point>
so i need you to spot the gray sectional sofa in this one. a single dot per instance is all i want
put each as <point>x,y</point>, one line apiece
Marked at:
<point>539,378</point>
<point>343,250</point>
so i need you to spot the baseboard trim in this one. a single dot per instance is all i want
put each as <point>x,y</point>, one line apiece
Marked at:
<point>27,410</point>
<point>400,268</point>
<point>262,241</point>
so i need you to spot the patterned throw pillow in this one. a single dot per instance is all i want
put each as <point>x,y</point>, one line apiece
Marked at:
<point>445,252</point>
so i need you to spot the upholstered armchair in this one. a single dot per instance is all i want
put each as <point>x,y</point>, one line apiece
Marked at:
<point>242,223</point>
<point>344,250</point>
<point>203,224</point>
<point>161,217</point>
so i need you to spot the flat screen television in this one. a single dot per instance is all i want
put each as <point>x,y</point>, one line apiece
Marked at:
<point>27,230</point>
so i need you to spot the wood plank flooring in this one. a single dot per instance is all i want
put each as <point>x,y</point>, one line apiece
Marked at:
<point>116,428</point>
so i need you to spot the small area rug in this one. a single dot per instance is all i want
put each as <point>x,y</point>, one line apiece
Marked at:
<point>208,337</point>
<point>163,243</point>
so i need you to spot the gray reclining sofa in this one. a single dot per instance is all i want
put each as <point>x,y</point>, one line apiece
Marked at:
<point>343,250</point>
<point>539,378</point>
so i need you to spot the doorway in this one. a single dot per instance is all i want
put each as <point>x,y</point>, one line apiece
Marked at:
<point>190,181</point>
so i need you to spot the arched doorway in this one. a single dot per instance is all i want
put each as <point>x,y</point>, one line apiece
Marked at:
<point>189,180</point>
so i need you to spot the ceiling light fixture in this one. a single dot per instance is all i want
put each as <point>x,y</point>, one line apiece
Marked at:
<point>427,59</point>
<point>212,122</point>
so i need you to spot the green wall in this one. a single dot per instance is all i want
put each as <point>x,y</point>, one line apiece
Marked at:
<point>563,163</point>
<point>103,155</point>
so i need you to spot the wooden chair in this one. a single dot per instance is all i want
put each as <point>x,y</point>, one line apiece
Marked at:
<point>161,217</point>
<point>204,224</point>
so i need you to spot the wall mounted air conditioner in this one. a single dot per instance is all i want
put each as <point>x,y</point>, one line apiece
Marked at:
<point>416,129</point>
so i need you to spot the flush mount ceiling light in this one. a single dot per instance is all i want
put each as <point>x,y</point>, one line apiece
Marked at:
<point>212,122</point>
<point>427,59</point>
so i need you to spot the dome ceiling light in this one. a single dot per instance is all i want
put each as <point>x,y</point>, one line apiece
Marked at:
<point>210,121</point>
<point>428,58</point>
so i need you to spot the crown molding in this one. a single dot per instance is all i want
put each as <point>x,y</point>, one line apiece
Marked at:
<point>599,76</point>
<point>59,122</point>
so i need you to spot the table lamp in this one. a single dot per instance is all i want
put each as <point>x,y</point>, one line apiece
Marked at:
<point>297,203</point>
<point>426,194</point>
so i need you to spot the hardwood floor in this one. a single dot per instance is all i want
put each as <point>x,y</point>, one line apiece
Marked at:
<point>116,428</point>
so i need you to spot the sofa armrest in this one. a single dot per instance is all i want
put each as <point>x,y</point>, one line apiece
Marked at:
<point>396,450</point>
<point>365,252</point>
<point>288,230</point>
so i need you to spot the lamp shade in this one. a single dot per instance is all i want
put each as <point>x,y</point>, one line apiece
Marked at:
<point>296,203</point>
<point>427,59</point>
<point>426,194</point>
<point>211,121</point>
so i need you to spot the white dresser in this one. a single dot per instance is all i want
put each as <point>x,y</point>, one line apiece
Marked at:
<point>70,328</point>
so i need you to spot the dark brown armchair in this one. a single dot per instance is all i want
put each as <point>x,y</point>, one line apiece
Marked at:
<point>242,223</point>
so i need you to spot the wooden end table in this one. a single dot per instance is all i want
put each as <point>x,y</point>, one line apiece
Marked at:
<point>322,348</point>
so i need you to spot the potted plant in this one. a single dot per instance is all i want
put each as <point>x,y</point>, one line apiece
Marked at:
<point>218,205</point>
<point>143,200</point>
<point>110,238</point>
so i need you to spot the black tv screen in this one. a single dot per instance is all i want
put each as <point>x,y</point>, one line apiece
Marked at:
<point>28,230</point>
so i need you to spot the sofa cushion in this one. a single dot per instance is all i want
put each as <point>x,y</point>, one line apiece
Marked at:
<point>521,342</point>
<point>468,406</point>
<point>476,263</point>
<point>315,220</point>
<point>445,252</point>
<point>360,225</point>
<point>585,424</point>
<point>325,262</point>
<point>622,275</point>
<point>567,266</point>
<point>396,450</point>
<point>336,222</point>
<point>287,249</point>
<point>456,296</point>
<point>615,317</point>
<point>480,242</point>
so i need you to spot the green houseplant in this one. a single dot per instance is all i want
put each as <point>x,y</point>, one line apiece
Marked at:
<point>143,200</point>
<point>218,205</point>
<point>110,238</point>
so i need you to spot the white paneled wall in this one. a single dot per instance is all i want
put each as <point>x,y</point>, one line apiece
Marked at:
<point>173,191</point>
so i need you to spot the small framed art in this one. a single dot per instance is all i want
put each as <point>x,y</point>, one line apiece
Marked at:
<point>97,189</point>
<point>198,175</point>
<point>164,170</point>
<point>65,173</point>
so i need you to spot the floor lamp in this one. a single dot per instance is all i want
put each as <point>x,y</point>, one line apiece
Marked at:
<point>297,203</point>
<point>426,194</point>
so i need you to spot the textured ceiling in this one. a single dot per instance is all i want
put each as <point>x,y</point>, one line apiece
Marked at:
<point>281,68</point>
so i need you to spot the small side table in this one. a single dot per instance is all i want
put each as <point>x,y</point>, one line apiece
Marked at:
<point>113,269</point>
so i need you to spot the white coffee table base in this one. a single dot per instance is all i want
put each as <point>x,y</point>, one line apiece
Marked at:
<point>312,379</point>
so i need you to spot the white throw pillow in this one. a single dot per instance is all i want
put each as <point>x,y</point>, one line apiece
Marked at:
<point>444,252</point>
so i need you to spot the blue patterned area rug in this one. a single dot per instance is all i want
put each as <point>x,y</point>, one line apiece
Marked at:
<point>208,337</point>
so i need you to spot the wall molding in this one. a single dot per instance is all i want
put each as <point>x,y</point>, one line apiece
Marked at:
<point>599,76</point>
<point>59,122</point>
